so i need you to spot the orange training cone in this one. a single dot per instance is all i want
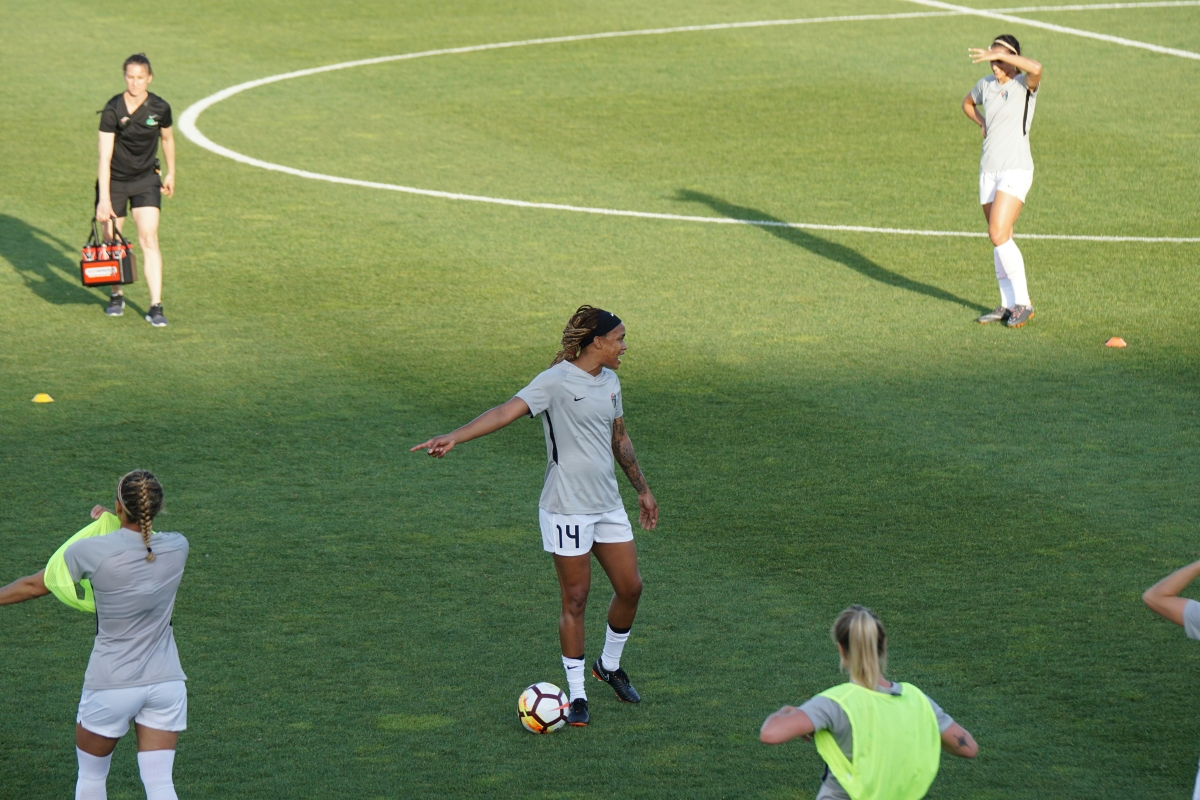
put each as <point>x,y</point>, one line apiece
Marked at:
<point>1115,341</point>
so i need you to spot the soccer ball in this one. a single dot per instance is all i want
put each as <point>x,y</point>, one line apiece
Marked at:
<point>542,708</point>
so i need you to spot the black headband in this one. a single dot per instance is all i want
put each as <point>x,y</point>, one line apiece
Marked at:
<point>604,326</point>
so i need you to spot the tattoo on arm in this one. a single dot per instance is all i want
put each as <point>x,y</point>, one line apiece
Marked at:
<point>962,742</point>
<point>622,449</point>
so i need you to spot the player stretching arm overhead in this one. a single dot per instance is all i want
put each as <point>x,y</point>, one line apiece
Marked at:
<point>131,125</point>
<point>581,513</point>
<point>134,672</point>
<point>1006,166</point>
<point>1163,599</point>
<point>880,739</point>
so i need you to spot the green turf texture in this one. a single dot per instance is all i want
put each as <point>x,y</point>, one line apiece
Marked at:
<point>819,417</point>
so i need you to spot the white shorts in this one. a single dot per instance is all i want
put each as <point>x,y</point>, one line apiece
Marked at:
<point>1010,181</point>
<point>107,712</point>
<point>573,534</point>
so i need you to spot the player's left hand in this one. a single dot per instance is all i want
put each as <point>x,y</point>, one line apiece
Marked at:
<point>647,511</point>
<point>168,185</point>
<point>98,510</point>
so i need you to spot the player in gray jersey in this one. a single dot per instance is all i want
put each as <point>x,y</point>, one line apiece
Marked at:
<point>134,672</point>
<point>1009,99</point>
<point>1163,599</point>
<point>580,511</point>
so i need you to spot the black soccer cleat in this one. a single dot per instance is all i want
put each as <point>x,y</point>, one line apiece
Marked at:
<point>578,715</point>
<point>116,305</point>
<point>618,680</point>
<point>155,317</point>
<point>997,314</point>
<point>1020,315</point>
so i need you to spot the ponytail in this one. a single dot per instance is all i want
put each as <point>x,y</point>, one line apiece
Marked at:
<point>142,495</point>
<point>578,333</point>
<point>864,645</point>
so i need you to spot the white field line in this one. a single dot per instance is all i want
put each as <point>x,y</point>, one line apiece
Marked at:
<point>187,124</point>
<point>1049,26</point>
<point>1099,7</point>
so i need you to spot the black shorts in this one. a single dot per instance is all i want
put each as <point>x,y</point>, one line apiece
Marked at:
<point>137,194</point>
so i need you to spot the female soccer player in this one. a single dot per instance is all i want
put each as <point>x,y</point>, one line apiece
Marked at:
<point>1163,599</point>
<point>1006,167</point>
<point>879,738</point>
<point>134,672</point>
<point>579,399</point>
<point>130,126</point>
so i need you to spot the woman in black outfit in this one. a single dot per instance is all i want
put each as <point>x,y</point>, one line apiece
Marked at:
<point>131,125</point>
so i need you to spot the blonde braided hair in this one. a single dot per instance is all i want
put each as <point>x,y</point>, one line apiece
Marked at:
<point>579,327</point>
<point>142,495</point>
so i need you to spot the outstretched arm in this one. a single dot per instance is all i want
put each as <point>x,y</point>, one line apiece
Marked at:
<point>1163,597</point>
<point>958,741</point>
<point>622,448</point>
<point>784,725</point>
<point>23,589</point>
<point>1032,69</point>
<point>489,421</point>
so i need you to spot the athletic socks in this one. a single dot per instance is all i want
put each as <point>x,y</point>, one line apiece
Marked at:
<point>1006,287</point>
<point>93,776</point>
<point>575,676</point>
<point>156,766</point>
<point>614,643</point>
<point>1008,257</point>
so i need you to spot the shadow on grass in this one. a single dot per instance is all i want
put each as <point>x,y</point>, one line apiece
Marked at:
<point>39,259</point>
<point>824,248</point>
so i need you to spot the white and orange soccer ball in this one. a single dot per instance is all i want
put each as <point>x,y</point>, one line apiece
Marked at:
<point>542,708</point>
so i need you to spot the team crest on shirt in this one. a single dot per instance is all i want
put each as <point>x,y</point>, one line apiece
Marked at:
<point>1004,94</point>
<point>151,121</point>
<point>613,397</point>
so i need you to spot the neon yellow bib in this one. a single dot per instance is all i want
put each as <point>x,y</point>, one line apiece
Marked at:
<point>58,577</point>
<point>897,746</point>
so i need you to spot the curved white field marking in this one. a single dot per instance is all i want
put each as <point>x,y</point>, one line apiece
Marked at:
<point>187,124</point>
<point>1049,26</point>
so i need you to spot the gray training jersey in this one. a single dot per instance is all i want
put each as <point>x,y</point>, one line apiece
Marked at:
<point>578,411</point>
<point>1006,145</point>
<point>827,715</point>
<point>134,602</point>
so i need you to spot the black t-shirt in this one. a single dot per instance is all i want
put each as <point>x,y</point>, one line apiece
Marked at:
<point>137,135</point>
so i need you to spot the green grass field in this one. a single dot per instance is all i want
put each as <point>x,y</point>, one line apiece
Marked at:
<point>818,415</point>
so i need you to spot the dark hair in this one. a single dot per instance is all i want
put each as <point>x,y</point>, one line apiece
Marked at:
<point>581,331</point>
<point>1010,40</point>
<point>142,495</point>
<point>137,58</point>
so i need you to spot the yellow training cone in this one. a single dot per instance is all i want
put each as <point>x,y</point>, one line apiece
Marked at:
<point>42,397</point>
<point>1115,341</point>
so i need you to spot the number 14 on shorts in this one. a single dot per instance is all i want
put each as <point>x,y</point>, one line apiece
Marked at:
<point>565,530</point>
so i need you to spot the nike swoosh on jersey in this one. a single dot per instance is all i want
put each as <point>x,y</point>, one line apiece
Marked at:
<point>577,399</point>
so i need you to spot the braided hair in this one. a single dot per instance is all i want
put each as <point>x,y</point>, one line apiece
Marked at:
<point>579,330</point>
<point>142,495</point>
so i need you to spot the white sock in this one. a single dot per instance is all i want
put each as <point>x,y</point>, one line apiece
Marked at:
<point>574,668</point>
<point>1006,287</point>
<point>614,643</point>
<point>1014,266</point>
<point>93,776</point>
<point>156,766</point>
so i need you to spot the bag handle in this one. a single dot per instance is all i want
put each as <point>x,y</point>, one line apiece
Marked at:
<point>96,239</point>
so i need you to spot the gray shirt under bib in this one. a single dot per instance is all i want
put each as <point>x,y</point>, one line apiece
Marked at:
<point>827,715</point>
<point>578,411</point>
<point>1006,145</point>
<point>135,599</point>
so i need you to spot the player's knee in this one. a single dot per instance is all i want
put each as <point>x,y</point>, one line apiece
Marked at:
<point>148,241</point>
<point>632,592</point>
<point>575,601</point>
<point>998,235</point>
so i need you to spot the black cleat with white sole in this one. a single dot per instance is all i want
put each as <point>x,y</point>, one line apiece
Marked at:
<point>155,317</point>
<point>578,715</point>
<point>618,680</point>
<point>116,305</point>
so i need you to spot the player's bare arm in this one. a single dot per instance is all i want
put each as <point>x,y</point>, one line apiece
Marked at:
<point>489,421</point>
<point>23,589</point>
<point>958,741</point>
<point>1033,69</point>
<point>972,112</point>
<point>622,447</point>
<point>168,148</point>
<point>786,724</point>
<point>104,209</point>
<point>1163,597</point>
